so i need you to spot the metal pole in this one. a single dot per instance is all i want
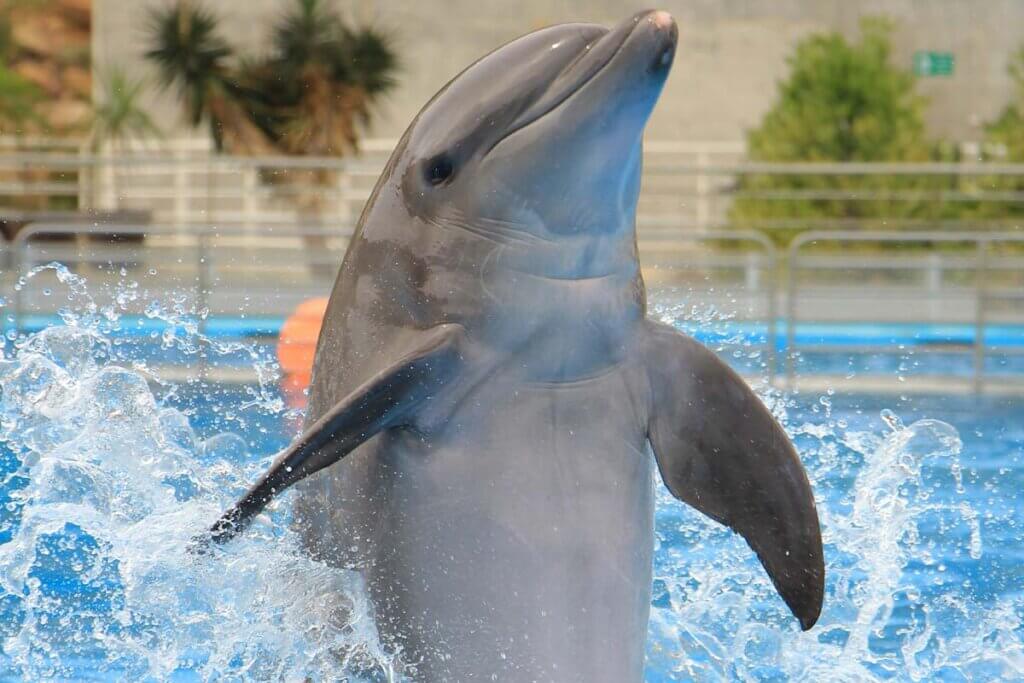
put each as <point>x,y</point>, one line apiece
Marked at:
<point>792,266</point>
<point>250,204</point>
<point>770,288</point>
<point>703,186</point>
<point>182,191</point>
<point>980,278</point>
<point>18,262</point>
<point>202,298</point>
<point>344,186</point>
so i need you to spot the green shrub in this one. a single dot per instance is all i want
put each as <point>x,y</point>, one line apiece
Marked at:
<point>842,101</point>
<point>1004,142</point>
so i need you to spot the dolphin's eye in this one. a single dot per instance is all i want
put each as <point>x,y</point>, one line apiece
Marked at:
<point>439,169</point>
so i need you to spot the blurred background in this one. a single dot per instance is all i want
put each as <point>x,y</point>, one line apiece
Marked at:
<point>823,174</point>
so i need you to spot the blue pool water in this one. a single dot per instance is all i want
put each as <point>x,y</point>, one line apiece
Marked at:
<point>107,471</point>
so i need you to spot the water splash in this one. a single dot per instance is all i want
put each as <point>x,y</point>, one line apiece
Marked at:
<point>104,484</point>
<point>716,617</point>
<point>898,532</point>
<point>105,487</point>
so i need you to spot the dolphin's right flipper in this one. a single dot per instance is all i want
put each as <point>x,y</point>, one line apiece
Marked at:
<point>388,399</point>
<point>721,451</point>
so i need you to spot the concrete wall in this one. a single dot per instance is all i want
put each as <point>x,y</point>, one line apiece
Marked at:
<point>731,56</point>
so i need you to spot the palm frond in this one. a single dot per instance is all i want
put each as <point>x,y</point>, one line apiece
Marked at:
<point>119,115</point>
<point>306,33</point>
<point>189,53</point>
<point>321,79</point>
<point>373,62</point>
<point>308,95</point>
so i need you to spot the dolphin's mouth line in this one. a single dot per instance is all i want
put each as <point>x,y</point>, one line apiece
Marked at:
<point>548,102</point>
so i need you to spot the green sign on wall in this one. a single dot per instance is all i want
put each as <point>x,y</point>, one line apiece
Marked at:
<point>928,63</point>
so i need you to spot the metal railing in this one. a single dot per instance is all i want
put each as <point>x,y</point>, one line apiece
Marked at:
<point>235,224</point>
<point>223,259</point>
<point>749,268</point>
<point>224,271</point>
<point>692,183</point>
<point>985,276</point>
<point>944,277</point>
<point>182,181</point>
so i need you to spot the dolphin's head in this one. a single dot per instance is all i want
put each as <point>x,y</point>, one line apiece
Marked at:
<point>543,135</point>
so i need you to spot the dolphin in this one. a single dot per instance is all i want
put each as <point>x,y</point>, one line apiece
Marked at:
<point>487,390</point>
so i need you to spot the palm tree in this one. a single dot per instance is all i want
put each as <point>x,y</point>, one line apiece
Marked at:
<point>308,96</point>
<point>119,118</point>
<point>313,90</point>
<point>193,58</point>
<point>320,80</point>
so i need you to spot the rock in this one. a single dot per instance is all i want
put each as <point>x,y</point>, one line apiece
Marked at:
<point>78,11</point>
<point>50,44</point>
<point>66,115</point>
<point>36,33</point>
<point>79,80</point>
<point>47,34</point>
<point>42,74</point>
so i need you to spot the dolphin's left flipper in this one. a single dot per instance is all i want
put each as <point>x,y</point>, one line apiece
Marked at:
<point>721,451</point>
<point>386,400</point>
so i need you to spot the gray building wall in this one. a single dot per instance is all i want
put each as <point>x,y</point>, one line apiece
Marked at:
<point>732,52</point>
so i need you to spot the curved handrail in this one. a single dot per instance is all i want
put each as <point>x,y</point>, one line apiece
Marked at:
<point>982,242</point>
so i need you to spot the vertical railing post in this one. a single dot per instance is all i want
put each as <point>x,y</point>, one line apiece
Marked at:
<point>181,188</point>
<point>934,272</point>
<point>792,265</point>
<point>770,288</point>
<point>18,264</point>
<point>108,191</point>
<point>752,270</point>
<point>86,193</point>
<point>933,279</point>
<point>210,185</point>
<point>980,283</point>
<point>250,205</point>
<point>202,296</point>
<point>703,183</point>
<point>344,189</point>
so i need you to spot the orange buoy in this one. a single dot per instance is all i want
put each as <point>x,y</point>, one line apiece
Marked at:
<point>296,348</point>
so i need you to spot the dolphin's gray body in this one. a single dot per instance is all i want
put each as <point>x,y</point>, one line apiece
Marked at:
<point>487,368</point>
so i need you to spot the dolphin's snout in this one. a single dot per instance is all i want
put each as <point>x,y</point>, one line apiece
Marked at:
<point>657,20</point>
<point>661,29</point>
<point>662,19</point>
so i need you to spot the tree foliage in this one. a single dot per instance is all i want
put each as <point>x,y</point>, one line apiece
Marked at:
<point>18,101</point>
<point>842,101</point>
<point>18,96</point>
<point>1004,138</point>
<point>190,56</point>
<point>308,95</point>
<point>1007,131</point>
